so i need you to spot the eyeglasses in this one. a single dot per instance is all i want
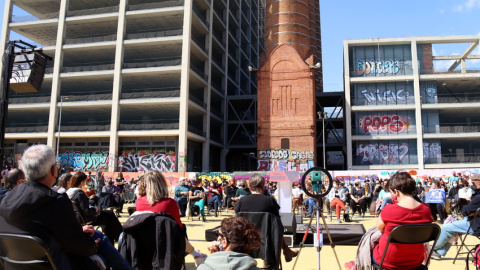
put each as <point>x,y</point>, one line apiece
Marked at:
<point>217,232</point>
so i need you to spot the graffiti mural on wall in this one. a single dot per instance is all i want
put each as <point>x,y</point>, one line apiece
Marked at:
<point>389,67</point>
<point>431,94</point>
<point>147,160</point>
<point>386,95</point>
<point>384,123</point>
<point>432,150</point>
<point>87,161</point>
<point>285,160</point>
<point>383,153</point>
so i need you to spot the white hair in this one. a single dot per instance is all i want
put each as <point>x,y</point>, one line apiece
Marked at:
<point>37,162</point>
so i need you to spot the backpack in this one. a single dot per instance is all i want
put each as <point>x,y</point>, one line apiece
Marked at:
<point>476,257</point>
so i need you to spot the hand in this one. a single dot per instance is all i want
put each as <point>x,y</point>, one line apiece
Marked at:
<point>88,229</point>
<point>212,247</point>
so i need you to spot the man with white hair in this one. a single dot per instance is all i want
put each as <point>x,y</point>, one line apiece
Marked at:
<point>33,208</point>
<point>181,193</point>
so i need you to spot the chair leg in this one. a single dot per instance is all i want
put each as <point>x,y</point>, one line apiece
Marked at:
<point>461,246</point>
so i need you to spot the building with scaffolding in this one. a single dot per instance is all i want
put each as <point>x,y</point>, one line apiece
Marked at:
<point>140,84</point>
<point>404,110</point>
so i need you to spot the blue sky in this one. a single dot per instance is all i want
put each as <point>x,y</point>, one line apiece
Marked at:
<point>347,19</point>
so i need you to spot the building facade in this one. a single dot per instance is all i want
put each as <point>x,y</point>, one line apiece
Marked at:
<point>403,110</point>
<point>137,84</point>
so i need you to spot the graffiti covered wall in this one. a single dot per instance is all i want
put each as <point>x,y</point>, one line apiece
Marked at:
<point>87,161</point>
<point>392,123</point>
<point>147,160</point>
<point>285,160</point>
<point>383,153</point>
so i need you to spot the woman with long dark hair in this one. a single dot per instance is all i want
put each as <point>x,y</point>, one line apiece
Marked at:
<point>92,214</point>
<point>214,195</point>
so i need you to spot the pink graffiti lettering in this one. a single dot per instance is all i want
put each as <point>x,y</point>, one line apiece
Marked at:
<point>384,123</point>
<point>383,153</point>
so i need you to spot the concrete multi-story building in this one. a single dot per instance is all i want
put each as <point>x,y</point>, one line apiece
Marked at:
<point>138,84</point>
<point>403,110</point>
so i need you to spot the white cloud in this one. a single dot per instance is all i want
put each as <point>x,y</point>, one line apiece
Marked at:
<point>467,5</point>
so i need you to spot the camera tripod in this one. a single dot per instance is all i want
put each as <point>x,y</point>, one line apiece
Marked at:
<point>319,213</point>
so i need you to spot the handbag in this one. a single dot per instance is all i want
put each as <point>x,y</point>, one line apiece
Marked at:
<point>346,218</point>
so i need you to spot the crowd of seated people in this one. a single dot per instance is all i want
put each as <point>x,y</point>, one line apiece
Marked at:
<point>400,200</point>
<point>33,208</point>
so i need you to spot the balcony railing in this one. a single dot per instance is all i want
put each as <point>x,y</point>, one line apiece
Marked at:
<point>471,158</point>
<point>87,67</point>
<point>153,62</point>
<point>27,129</point>
<point>197,131</point>
<point>84,127</point>
<point>27,100</point>
<point>451,129</point>
<point>151,93</point>
<point>167,32</point>
<point>162,4</point>
<point>91,39</point>
<point>450,99</point>
<point>150,125</point>
<point>92,11</point>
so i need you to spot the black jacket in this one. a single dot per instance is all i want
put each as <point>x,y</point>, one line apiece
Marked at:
<point>34,209</point>
<point>153,241</point>
<point>271,228</point>
<point>471,208</point>
<point>83,204</point>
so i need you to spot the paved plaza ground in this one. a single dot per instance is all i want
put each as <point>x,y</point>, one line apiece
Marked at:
<point>308,257</point>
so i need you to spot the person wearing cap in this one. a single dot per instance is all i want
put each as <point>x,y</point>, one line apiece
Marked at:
<point>181,195</point>
<point>296,196</point>
<point>460,226</point>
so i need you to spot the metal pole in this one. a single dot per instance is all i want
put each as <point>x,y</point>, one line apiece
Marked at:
<point>59,125</point>
<point>8,60</point>
<point>323,137</point>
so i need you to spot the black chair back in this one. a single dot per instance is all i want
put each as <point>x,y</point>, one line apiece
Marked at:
<point>413,234</point>
<point>25,250</point>
<point>271,228</point>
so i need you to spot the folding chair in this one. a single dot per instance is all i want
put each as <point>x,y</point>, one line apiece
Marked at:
<point>412,234</point>
<point>29,250</point>
<point>462,240</point>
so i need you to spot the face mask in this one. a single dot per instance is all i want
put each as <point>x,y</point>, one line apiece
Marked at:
<point>455,184</point>
<point>220,246</point>
<point>211,185</point>
<point>335,185</point>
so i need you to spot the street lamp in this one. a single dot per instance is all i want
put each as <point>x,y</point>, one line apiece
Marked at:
<point>323,115</point>
<point>60,122</point>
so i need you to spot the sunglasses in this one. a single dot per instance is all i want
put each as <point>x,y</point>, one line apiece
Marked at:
<point>219,234</point>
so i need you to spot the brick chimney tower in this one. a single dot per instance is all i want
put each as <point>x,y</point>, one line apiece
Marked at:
<point>287,81</point>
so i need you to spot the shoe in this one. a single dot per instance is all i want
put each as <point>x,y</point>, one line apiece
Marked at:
<point>230,208</point>
<point>200,259</point>
<point>290,254</point>
<point>347,211</point>
<point>441,221</point>
<point>216,215</point>
<point>339,220</point>
<point>436,256</point>
<point>203,218</point>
